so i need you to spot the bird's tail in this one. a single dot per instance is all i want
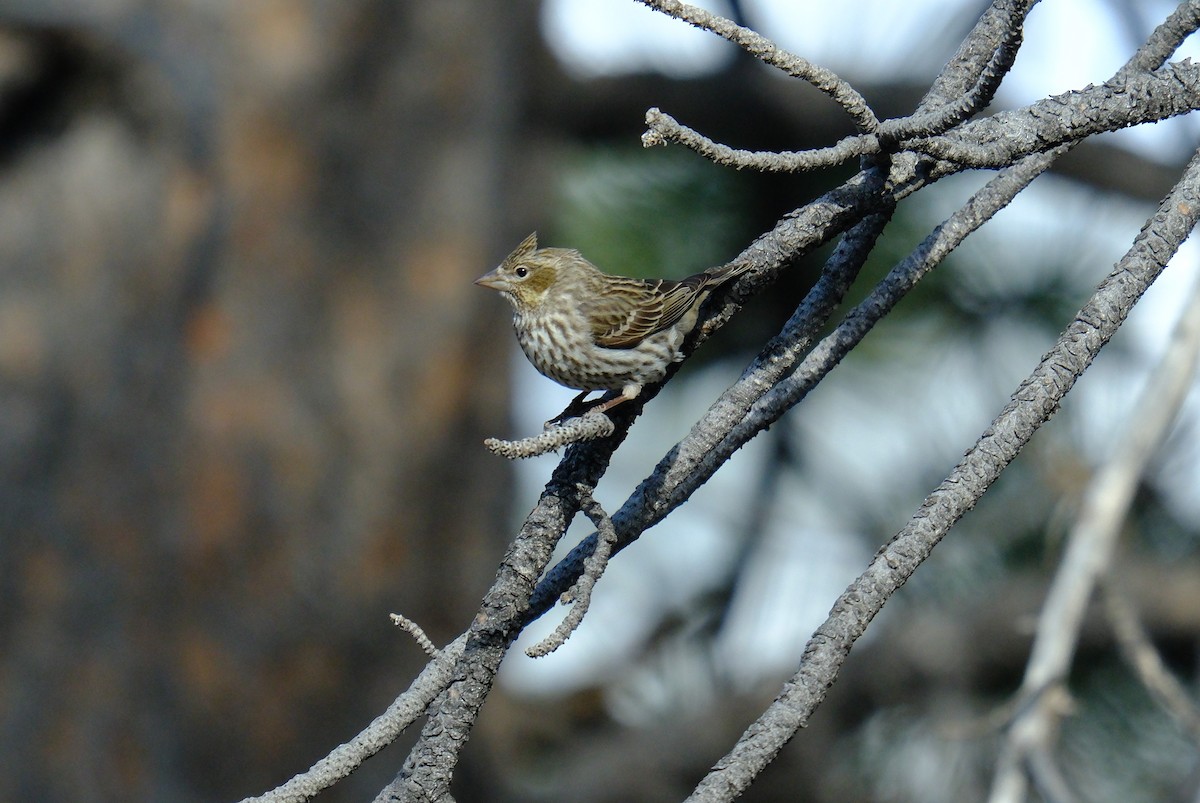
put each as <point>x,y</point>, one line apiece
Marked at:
<point>727,272</point>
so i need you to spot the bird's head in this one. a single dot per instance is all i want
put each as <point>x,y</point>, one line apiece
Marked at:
<point>526,276</point>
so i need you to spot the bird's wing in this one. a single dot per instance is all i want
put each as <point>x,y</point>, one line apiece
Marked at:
<point>631,310</point>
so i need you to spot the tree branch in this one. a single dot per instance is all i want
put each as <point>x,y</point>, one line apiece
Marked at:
<point>789,366</point>
<point>509,605</point>
<point>587,427</point>
<point>581,592</point>
<point>1164,41</point>
<point>977,53</point>
<point>931,119</point>
<point>662,128</point>
<point>785,371</point>
<point>430,765</point>
<point>996,141</point>
<point>1138,650</point>
<point>768,52</point>
<point>1032,404</point>
<point>991,143</point>
<point>1093,539</point>
<point>652,500</point>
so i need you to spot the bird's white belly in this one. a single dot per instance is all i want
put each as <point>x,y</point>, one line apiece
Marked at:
<point>565,352</point>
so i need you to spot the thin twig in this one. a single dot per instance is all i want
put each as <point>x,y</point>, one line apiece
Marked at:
<point>1047,778</point>
<point>663,128</point>
<point>580,594</point>
<point>413,629</point>
<point>588,427</point>
<point>995,141</point>
<point>939,119</point>
<point>430,764</point>
<point>770,53</point>
<point>1164,41</point>
<point>977,51</point>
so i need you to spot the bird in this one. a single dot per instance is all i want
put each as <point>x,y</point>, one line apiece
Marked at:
<point>589,330</point>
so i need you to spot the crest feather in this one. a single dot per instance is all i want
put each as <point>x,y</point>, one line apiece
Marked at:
<point>527,247</point>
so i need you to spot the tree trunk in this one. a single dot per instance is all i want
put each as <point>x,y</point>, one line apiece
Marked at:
<point>245,378</point>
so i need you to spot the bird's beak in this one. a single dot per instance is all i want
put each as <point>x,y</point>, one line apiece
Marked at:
<point>493,281</point>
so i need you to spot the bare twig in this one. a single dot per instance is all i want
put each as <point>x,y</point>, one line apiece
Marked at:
<point>1093,538</point>
<point>663,128</point>
<point>1048,778</point>
<point>1164,41</point>
<point>996,141</point>
<point>989,143</point>
<point>930,120</point>
<point>941,118</point>
<point>430,765</point>
<point>769,53</point>
<point>580,594</point>
<point>587,427</point>
<point>413,629</point>
<point>979,51</point>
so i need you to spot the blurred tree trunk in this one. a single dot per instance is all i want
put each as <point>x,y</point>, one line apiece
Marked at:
<point>244,377</point>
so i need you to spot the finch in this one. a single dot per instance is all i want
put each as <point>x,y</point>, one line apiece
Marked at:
<point>591,331</point>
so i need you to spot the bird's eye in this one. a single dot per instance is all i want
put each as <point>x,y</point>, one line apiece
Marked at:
<point>521,272</point>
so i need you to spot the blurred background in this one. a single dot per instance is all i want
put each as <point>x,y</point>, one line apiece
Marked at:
<point>245,377</point>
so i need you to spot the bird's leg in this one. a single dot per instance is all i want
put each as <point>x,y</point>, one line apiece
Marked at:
<point>577,402</point>
<point>575,408</point>
<point>628,393</point>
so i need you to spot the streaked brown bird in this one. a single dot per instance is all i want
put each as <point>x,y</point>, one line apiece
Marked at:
<point>591,331</point>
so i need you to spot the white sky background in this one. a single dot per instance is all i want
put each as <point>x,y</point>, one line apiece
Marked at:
<point>806,559</point>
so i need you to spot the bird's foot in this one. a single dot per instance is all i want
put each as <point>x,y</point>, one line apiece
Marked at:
<point>578,407</point>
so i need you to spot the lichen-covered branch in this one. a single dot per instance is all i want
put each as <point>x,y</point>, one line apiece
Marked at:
<point>587,427</point>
